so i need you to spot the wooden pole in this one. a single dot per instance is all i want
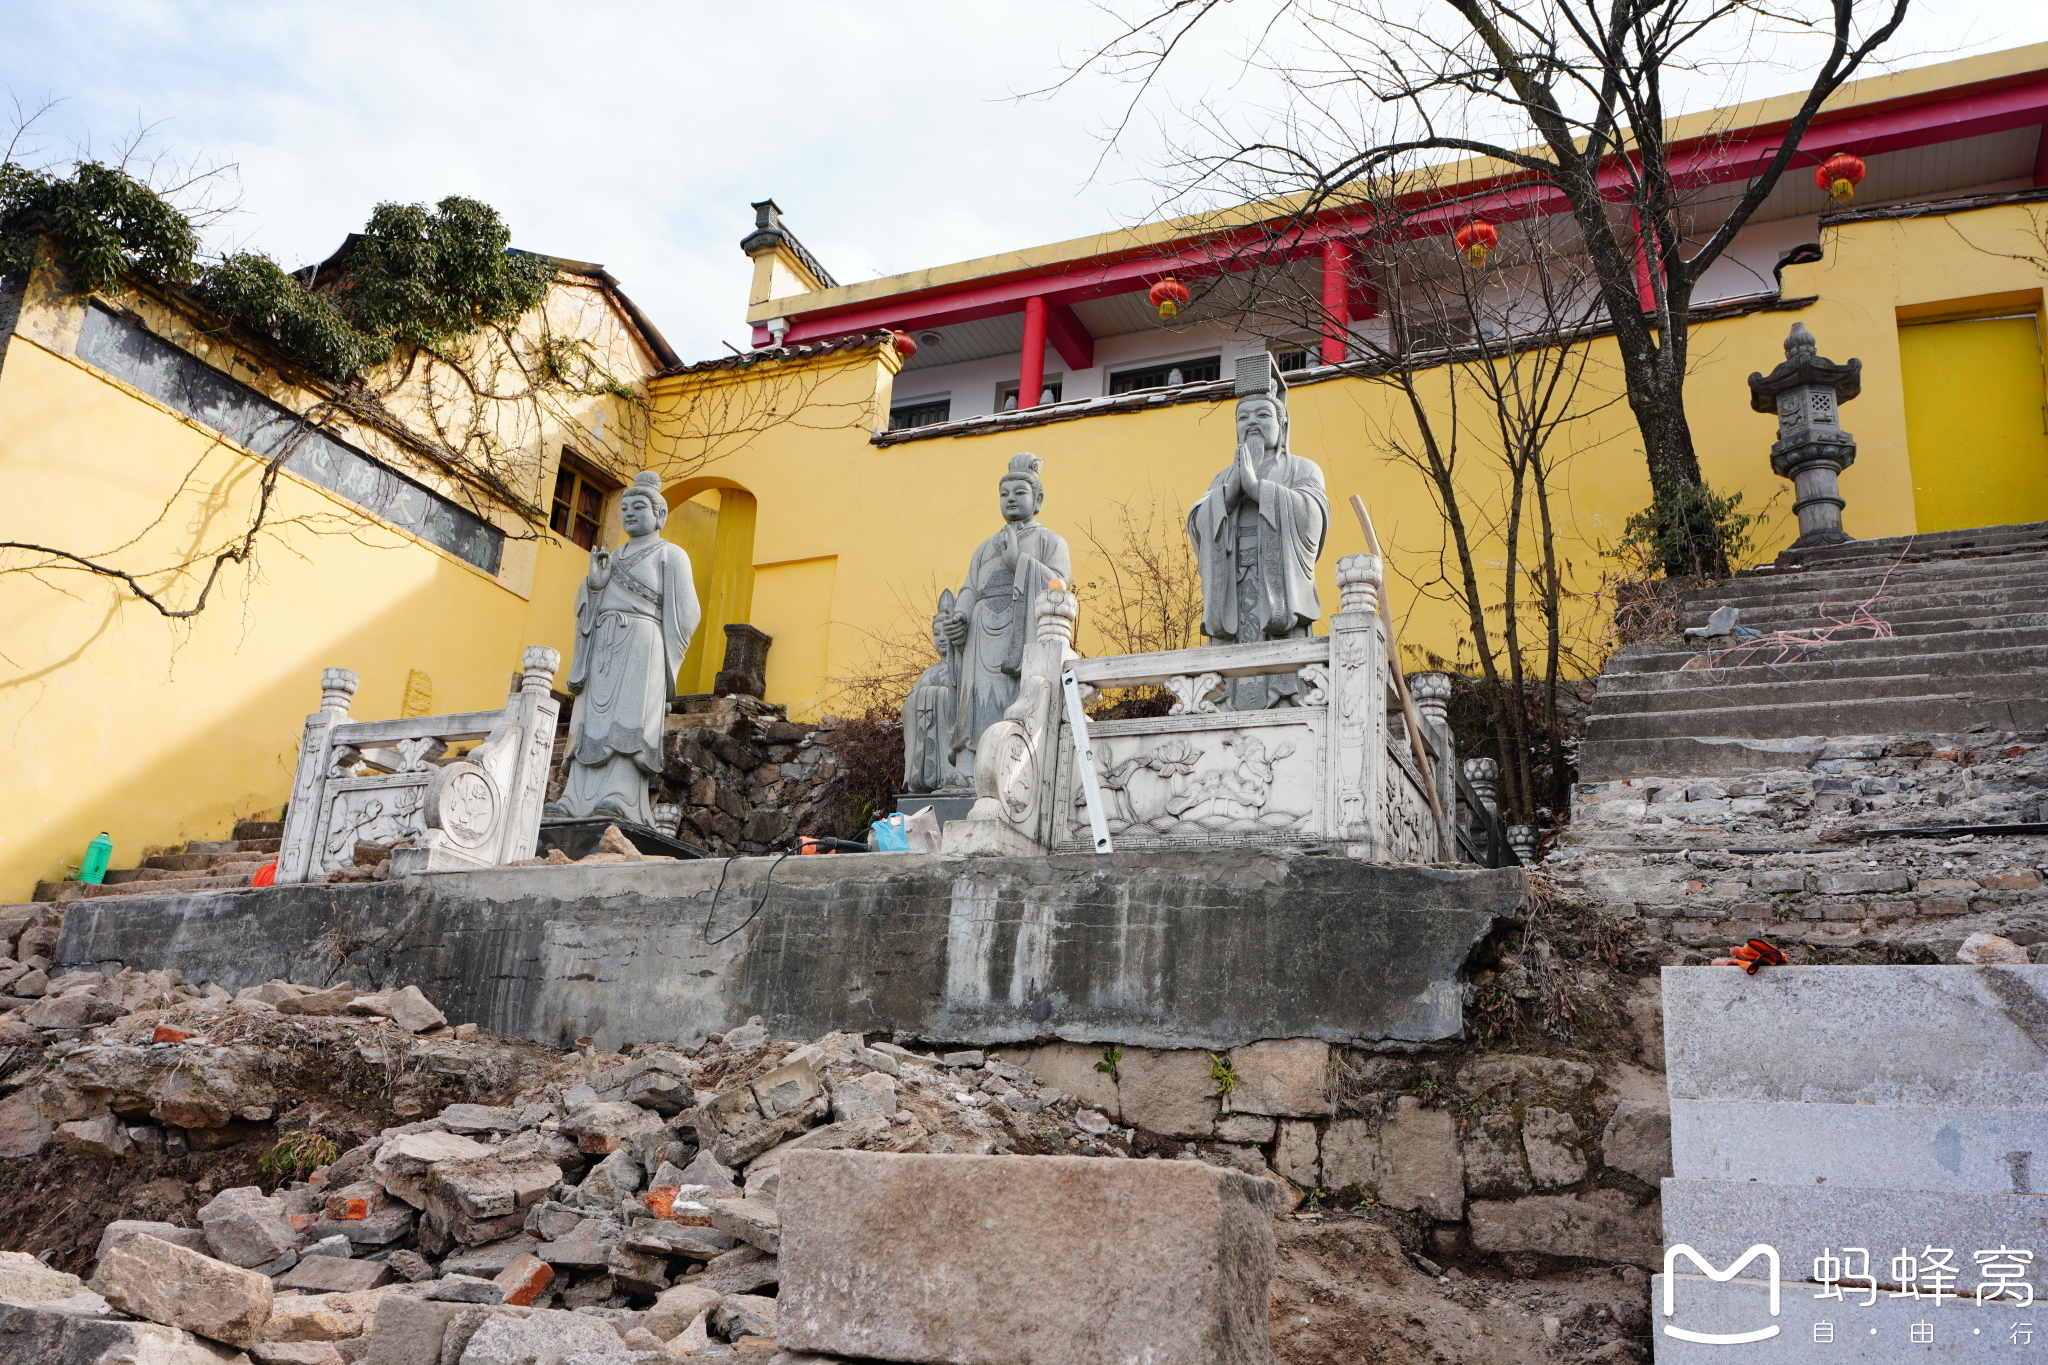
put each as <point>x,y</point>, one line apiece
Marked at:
<point>1372,542</point>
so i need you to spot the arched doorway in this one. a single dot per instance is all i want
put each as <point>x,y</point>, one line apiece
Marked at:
<point>713,520</point>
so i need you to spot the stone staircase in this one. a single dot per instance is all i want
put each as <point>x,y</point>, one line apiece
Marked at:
<point>1968,654</point>
<point>204,865</point>
<point>1884,1131</point>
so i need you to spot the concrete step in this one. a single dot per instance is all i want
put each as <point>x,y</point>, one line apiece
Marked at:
<point>259,829</point>
<point>1861,583</point>
<point>1955,664</point>
<point>235,846</point>
<point>196,862</point>
<point>1992,705</point>
<point>1707,692</point>
<point>1976,540</point>
<point>168,886</point>
<point>2021,592</point>
<point>1901,647</point>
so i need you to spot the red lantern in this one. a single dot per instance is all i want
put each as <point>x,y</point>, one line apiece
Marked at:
<point>906,345</point>
<point>1839,175</point>
<point>1477,238</point>
<point>1168,295</point>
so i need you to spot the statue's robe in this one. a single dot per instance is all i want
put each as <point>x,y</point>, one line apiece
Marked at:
<point>962,695</point>
<point>630,642</point>
<point>1258,566</point>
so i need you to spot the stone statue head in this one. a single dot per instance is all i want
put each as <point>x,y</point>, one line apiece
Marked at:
<point>1019,491</point>
<point>642,509</point>
<point>1261,403</point>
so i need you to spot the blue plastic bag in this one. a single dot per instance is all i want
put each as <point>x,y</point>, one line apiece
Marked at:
<point>889,835</point>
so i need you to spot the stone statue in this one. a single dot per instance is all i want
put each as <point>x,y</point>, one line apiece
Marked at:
<point>980,634</point>
<point>1257,533</point>
<point>635,613</point>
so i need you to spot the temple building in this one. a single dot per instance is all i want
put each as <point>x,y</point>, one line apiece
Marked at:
<point>830,482</point>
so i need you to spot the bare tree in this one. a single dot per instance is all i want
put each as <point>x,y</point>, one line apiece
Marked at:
<point>1573,98</point>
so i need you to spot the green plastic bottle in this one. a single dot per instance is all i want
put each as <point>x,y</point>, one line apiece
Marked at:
<point>98,854</point>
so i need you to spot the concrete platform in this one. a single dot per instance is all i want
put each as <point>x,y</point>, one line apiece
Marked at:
<point>1161,949</point>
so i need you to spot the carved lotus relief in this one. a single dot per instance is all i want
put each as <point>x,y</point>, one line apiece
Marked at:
<point>1232,783</point>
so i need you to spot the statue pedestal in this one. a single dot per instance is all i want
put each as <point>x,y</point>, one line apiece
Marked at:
<point>578,838</point>
<point>948,806</point>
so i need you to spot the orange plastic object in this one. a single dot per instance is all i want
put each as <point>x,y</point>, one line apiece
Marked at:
<point>166,1034</point>
<point>266,875</point>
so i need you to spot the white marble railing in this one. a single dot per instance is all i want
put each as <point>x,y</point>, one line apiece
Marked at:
<point>386,780</point>
<point>1336,771</point>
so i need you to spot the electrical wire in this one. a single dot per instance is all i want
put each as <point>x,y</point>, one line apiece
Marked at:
<point>760,901</point>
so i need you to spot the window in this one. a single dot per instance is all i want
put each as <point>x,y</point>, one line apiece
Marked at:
<point>1291,360</point>
<point>579,501</point>
<point>920,414</point>
<point>1165,376</point>
<point>1006,394</point>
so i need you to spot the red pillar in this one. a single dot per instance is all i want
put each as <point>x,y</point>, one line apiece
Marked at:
<point>1646,297</point>
<point>1031,374</point>
<point>1336,302</point>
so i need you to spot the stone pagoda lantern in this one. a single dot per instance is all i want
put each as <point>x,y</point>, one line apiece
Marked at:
<point>1812,449</point>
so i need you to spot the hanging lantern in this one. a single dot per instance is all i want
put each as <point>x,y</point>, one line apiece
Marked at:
<point>1476,239</point>
<point>1839,175</point>
<point>1168,295</point>
<point>906,345</point>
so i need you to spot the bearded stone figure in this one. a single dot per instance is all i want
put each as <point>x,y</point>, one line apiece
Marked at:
<point>980,634</point>
<point>635,613</point>
<point>1257,534</point>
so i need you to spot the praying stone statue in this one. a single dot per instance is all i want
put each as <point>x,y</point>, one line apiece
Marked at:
<point>980,634</point>
<point>1257,533</point>
<point>635,613</point>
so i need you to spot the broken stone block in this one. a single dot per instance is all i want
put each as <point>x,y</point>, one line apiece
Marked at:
<point>479,1118</point>
<point>1552,1142</point>
<point>121,1229</point>
<point>1982,950</point>
<point>333,1000</point>
<point>1287,1078</point>
<point>971,1057</point>
<point>1169,1093</point>
<point>412,1011</point>
<point>1638,1140</point>
<point>611,1180</point>
<point>1523,1079</point>
<point>380,1228</point>
<point>744,1315</point>
<point>296,1353</point>
<point>402,1163</point>
<point>788,1087</point>
<point>465,1289</point>
<point>663,1091</point>
<point>335,1275</point>
<point>705,1170</point>
<point>614,1120</point>
<point>751,1220</point>
<point>1410,1159</point>
<point>675,1309</point>
<point>1295,1157</point>
<point>1492,1156</point>
<point>507,1340</point>
<point>49,1336</point>
<point>1602,1225</point>
<point>336,1245</point>
<point>864,1097</point>
<point>1001,1258</point>
<point>315,1317</point>
<point>409,1331</point>
<point>637,1272</point>
<point>525,1279</point>
<point>27,1282</point>
<point>1252,1129</point>
<point>150,1278</point>
<point>551,1220</point>
<point>104,1138</point>
<point>491,1259</point>
<point>77,1008</point>
<point>672,1239</point>
<point>247,1228</point>
<point>24,1129</point>
<point>476,1201</point>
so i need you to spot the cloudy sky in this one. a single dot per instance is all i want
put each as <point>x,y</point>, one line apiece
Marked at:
<point>636,134</point>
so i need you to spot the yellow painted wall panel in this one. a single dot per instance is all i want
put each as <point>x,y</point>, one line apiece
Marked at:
<point>793,604</point>
<point>1974,396</point>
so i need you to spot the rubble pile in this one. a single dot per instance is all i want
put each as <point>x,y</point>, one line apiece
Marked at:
<point>1783,855</point>
<point>613,1203</point>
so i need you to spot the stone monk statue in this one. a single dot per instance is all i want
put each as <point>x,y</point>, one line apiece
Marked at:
<point>635,613</point>
<point>1257,534</point>
<point>980,634</point>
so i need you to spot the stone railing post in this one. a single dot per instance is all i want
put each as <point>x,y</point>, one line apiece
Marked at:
<point>302,817</point>
<point>1431,693</point>
<point>1806,392</point>
<point>1358,708</point>
<point>1484,775</point>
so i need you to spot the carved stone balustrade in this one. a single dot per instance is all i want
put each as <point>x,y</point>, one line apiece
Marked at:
<point>1336,772</point>
<point>386,780</point>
